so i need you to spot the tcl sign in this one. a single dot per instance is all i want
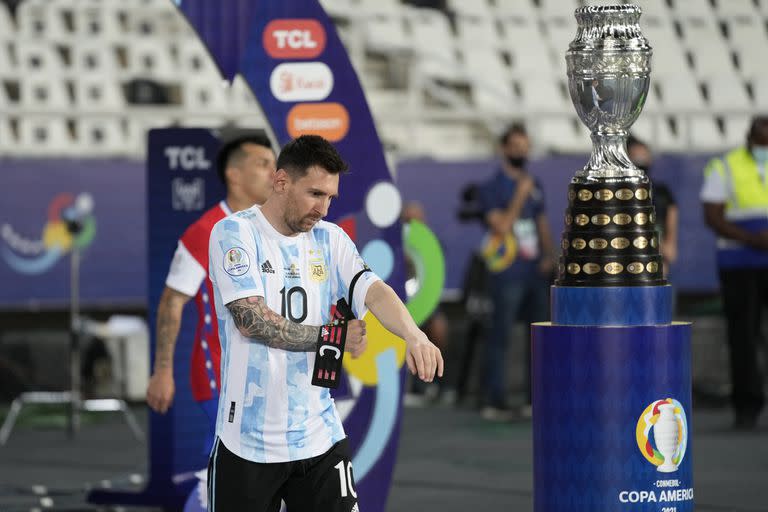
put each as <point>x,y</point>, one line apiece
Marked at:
<point>294,39</point>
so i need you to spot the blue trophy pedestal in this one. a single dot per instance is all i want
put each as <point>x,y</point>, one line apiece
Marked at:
<point>611,404</point>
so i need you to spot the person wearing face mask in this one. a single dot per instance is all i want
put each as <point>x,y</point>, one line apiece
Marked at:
<point>663,201</point>
<point>735,198</point>
<point>513,206</point>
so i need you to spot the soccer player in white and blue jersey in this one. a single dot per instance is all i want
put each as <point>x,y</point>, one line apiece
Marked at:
<point>276,272</point>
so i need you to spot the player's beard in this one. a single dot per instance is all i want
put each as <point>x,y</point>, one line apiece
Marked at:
<point>299,224</point>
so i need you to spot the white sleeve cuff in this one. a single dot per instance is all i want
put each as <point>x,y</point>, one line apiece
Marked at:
<point>186,273</point>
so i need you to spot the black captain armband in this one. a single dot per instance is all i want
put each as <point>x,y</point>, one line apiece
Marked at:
<point>331,340</point>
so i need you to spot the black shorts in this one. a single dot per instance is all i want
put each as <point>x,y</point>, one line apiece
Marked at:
<point>320,484</point>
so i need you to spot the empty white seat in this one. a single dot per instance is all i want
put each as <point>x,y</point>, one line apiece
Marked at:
<point>563,135</point>
<point>149,58</point>
<point>746,33</point>
<point>670,60</point>
<point>560,32</point>
<point>670,135</point>
<point>100,136</point>
<point>7,25</point>
<point>94,58</point>
<point>7,137</point>
<point>705,134</point>
<point>475,30</point>
<point>732,8</point>
<point>760,91</point>
<point>692,8</point>
<point>38,57</point>
<point>480,8</point>
<point>100,20</point>
<point>517,9</point>
<point>726,92</point>
<point>654,8</point>
<point>680,92</point>
<point>7,65</point>
<point>383,102</point>
<point>338,8</point>
<point>203,120</point>
<point>379,6</point>
<point>43,135</point>
<point>386,33</point>
<point>138,128</point>
<point>205,95</point>
<point>736,127</point>
<point>545,95</point>
<point>712,59</point>
<point>532,61</point>
<point>558,8</point>
<point>700,31</point>
<point>751,61</point>
<point>98,94</point>
<point>241,98</point>
<point>196,63</point>
<point>660,31</point>
<point>444,141</point>
<point>42,20</point>
<point>644,128</point>
<point>40,93</point>
<point>522,34</point>
<point>434,45</point>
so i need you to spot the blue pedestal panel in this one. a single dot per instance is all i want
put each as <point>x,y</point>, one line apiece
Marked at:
<point>611,407</point>
<point>630,305</point>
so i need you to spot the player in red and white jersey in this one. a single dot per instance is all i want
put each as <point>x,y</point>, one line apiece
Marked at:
<point>247,166</point>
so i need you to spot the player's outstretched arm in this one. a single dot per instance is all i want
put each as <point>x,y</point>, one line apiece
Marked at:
<point>161,386</point>
<point>422,356</point>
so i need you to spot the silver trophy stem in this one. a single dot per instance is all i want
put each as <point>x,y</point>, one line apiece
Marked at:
<point>609,158</point>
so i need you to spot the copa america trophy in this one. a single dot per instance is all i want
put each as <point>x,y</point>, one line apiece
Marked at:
<point>611,347</point>
<point>609,237</point>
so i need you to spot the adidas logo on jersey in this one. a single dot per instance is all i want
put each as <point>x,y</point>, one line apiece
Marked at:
<point>266,268</point>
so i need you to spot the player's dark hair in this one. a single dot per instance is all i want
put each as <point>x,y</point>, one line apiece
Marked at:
<point>232,151</point>
<point>634,141</point>
<point>307,151</point>
<point>758,124</point>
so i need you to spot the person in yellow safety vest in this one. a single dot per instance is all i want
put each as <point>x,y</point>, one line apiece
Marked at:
<point>735,198</point>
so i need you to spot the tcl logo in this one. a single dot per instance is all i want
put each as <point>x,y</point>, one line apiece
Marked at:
<point>189,158</point>
<point>294,39</point>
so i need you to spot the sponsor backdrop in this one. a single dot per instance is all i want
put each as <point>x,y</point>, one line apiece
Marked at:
<point>32,278</point>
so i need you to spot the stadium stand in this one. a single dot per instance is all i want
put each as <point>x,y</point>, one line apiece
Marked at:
<point>93,74</point>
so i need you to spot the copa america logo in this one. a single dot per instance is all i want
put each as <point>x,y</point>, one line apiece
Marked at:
<point>665,449</point>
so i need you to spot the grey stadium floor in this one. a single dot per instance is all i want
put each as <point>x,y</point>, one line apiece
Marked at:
<point>450,460</point>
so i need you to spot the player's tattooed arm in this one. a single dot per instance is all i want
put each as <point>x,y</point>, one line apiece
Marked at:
<point>255,320</point>
<point>169,313</point>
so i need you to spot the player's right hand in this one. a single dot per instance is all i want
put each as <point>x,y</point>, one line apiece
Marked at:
<point>356,341</point>
<point>161,390</point>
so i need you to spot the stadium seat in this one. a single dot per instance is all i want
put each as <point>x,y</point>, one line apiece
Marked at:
<point>727,92</point>
<point>692,9</point>
<point>98,19</point>
<point>477,31</point>
<point>149,58</point>
<point>644,128</point>
<point>736,127</point>
<point>532,61</point>
<point>240,96</point>
<point>562,135</point>
<point>386,33</point>
<point>40,92</point>
<point>196,63</point>
<point>42,20</point>
<point>680,92</point>
<point>544,95</point>
<point>100,136</point>
<point>711,59</point>
<point>369,7</point>
<point>98,94</point>
<point>705,134</point>
<point>43,135</point>
<point>205,95</point>
<point>94,58</point>
<point>476,8</point>
<point>36,56</point>
<point>8,141</point>
<point>7,25</point>
<point>434,44</point>
<point>733,8</point>
<point>338,8</point>
<point>654,9</point>
<point>745,33</point>
<point>137,128</point>
<point>760,90</point>
<point>671,135</point>
<point>558,8</point>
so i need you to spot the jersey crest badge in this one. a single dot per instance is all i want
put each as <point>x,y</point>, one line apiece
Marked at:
<point>236,262</point>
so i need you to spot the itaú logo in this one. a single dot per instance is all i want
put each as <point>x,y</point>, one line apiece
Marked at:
<point>32,257</point>
<point>301,81</point>
<point>294,39</point>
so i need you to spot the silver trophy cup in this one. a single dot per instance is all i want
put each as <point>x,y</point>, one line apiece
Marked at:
<point>609,64</point>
